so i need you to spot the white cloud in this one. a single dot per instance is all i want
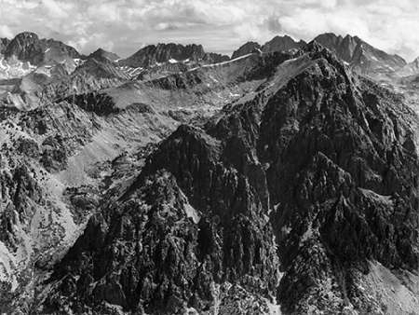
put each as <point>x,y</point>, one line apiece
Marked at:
<point>219,25</point>
<point>56,9</point>
<point>5,31</point>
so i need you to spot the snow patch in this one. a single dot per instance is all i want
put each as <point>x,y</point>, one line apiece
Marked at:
<point>221,63</point>
<point>274,309</point>
<point>190,211</point>
<point>377,197</point>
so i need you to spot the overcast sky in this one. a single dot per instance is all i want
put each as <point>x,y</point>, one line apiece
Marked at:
<point>124,26</point>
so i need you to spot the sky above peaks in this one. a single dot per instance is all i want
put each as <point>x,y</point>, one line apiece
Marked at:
<point>124,26</point>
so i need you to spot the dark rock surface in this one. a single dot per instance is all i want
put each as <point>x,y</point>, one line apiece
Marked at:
<point>3,44</point>
<point>313,176</point>
<point>19,191</point>
<point>98,103</point>
<point>172,258</point>
<point>54,154</point>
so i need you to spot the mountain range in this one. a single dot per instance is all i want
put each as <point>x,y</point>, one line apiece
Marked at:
<point>282,180</point>
<point>364,58</point>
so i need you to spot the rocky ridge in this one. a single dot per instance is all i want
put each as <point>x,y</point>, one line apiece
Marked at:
<point>292,188</point>
<point>288,181</point>
<point>278,43</point>
<point>154,54</point>
<point>363,57</point>
<point>29,47</point>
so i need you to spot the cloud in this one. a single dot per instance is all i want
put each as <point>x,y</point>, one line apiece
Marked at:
<point>5,31</point>
<point>220,25</point>
<point>56,9</point>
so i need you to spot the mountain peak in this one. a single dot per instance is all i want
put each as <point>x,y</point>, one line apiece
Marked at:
<point>101,53</point>
<point>245,49</point>
<point>27,46</point>
<point>361,55</point>
<point>163,52</point>
<point>27,35</point>
<point>282,43</point>
<point>278,43</point>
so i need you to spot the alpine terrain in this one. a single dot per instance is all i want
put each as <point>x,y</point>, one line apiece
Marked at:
<point>281,180</point>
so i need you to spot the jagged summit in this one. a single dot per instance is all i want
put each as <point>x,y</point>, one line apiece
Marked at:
<point>282,43</point>
<point>159,53</point>
<point>361,55</point>
<point>27,46</point>
<point>278,43</point>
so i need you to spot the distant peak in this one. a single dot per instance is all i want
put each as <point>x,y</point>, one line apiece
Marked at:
<point>282,43</point>
<point>27,35</point>
<point>283,36</point>
<point>101,53</point>
<point>329,34</point>
<point>251,43</point>
<point>163,52</point>
<point>245,49</point>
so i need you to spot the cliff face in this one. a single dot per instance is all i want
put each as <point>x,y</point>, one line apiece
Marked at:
<point>288,194</point>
